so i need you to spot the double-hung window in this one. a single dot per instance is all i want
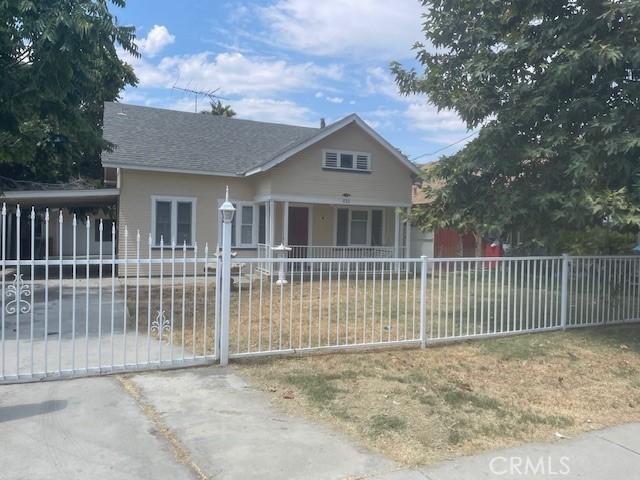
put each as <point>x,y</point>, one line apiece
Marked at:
<point>244,226</point>
<point>356,226</point>
<point>173,220</point>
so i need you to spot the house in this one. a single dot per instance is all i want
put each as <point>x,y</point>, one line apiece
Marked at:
<point>444,242</point>
<point>334,191</point>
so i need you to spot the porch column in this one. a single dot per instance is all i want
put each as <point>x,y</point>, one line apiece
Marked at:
<point>396,232</point>
<point>285,224</point>
<point>407,253</point>
<point>272,224</point>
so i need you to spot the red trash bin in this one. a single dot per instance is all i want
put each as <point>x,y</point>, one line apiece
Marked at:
<point>492,250</point>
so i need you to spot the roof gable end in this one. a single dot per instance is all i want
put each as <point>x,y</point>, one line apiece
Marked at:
<point>324,133</point>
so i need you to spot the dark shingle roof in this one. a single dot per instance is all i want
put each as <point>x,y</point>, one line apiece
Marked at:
<point>170,140</point>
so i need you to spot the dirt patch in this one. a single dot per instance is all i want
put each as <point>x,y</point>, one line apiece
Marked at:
<point>425,406</point>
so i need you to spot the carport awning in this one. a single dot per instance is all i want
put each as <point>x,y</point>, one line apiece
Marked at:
<point>61,198</point>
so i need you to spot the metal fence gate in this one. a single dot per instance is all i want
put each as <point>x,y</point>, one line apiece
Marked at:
<point>79,309</point>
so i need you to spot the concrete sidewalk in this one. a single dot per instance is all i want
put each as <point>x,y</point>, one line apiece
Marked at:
<point>210,423</point>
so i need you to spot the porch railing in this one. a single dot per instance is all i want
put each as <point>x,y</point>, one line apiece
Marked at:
<point>333,251</point>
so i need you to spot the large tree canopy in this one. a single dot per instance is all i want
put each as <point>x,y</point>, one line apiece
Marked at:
<point>554,86</point>
<point>58,64</point>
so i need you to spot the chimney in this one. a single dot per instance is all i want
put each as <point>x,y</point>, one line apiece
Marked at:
<point>322,124</point>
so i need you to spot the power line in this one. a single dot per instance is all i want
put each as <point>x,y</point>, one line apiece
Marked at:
<point>444,148</point>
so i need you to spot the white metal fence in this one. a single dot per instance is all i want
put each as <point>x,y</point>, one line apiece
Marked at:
<point>154,306</point>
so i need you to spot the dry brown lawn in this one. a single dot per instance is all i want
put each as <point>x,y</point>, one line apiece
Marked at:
<point>425,406</point>
<point>417,406</point>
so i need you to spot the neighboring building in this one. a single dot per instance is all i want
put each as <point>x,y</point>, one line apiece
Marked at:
<point>444,242</point>
<point>335,191</point>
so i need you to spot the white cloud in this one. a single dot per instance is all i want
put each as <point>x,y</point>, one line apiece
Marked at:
<point>377,28</point>
<point>425,116</point>
<point>250,108</point>
<point>276,111</point>
<point>444,127</point>
<point>157,38</point>
<point>380,81</point>
<point>232,73</point>
<point>335,99</point>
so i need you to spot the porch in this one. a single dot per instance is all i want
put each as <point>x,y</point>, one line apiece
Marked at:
<point>323,230</point>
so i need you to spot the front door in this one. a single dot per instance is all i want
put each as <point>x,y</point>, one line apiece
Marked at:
<point>299,231</point>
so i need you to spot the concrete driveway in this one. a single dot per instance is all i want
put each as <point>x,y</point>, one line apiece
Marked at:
<point>210,423</point>
<point>62,328</point>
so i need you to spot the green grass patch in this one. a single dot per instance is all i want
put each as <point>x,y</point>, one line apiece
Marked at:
<point>552,420</point>
<point>317,388</point>
<point>520,347</point>
<point>459,398</point>
<point>381,424</point>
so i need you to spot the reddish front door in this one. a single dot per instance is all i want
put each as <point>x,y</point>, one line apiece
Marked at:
<point>298,231</point>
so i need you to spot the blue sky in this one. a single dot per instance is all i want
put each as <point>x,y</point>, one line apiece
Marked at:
<point>289,61</point>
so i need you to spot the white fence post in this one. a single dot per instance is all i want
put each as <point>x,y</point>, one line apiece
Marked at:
<point>564,291</point>
<point>216,321</point>
<point>423,301</point>
<point>227,211</point>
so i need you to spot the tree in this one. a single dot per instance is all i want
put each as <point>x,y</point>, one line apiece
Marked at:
<point>217,108</point>
<point>58,64</point>
<point>554,88</point>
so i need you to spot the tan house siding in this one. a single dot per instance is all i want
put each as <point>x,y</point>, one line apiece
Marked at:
<point>303,175</point>
<point>138,188</point>
<point>323,225</point>
<point>262,184</point>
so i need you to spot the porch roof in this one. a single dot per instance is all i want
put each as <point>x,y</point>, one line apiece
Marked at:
<point>343,201</point>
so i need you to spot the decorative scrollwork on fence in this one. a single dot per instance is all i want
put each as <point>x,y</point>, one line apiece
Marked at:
<point>17,290</point>
<point>161,326</point>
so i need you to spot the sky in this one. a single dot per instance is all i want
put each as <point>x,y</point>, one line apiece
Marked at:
<point>289,61</point>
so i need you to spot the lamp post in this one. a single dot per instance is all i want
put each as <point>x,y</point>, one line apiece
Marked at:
<point>281,253</point>
<point>227,211</point>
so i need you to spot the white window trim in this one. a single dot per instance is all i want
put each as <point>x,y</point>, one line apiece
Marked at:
<point>369,224</point>
<point>238,204</point>
<point>348,152</point>
<point>174,218</point>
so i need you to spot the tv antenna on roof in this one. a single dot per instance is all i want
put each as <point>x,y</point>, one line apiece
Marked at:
<point>193,90</point>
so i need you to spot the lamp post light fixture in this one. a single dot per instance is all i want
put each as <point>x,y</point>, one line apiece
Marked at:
<point>227,209</point>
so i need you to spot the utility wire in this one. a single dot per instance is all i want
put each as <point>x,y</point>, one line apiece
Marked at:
<point>444,148</point>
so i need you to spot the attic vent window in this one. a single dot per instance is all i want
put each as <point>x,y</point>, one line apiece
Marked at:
<point>346,160</point>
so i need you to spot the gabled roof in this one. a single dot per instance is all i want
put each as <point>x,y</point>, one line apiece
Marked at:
<point>172,141</point>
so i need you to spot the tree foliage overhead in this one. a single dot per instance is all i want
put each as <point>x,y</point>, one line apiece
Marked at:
<point>554,86</point>
<point>58,64</point>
